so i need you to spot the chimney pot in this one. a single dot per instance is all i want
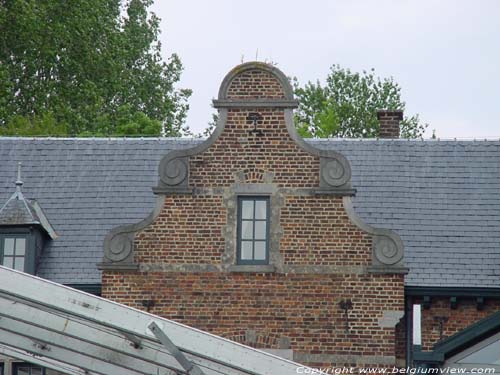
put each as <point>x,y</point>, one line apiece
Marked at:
<point>389,121</point>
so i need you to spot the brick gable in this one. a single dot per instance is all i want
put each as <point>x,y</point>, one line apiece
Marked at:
<point>183,256</point>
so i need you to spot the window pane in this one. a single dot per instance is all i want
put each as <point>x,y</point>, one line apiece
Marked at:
<point>247,230</point>
<point>246,250</point>
<point>36,371</point>
<point>19,263</point>
<point>20,246</point>
<point>23,371</point>
<point>247,209</point>
<point>8,248</point>
<point>260,230</point>
<point>260,250</point>
<point>8,262</point>
<point>261,210</point>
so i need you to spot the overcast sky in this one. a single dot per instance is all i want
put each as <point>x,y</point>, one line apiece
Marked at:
<point>445,54</point>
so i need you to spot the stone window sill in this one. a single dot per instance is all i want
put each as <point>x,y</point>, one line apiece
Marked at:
<point>257,268</point>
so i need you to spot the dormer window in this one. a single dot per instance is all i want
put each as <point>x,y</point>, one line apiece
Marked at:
<point>13,252</point>
<point>24,229</point>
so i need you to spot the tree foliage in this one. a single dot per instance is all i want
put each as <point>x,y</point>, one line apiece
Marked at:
<point>347,106</point>
<point>86,67</point>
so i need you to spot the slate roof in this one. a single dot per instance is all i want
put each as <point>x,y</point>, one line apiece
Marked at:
<point>86,187</point>
<point>440,196</point>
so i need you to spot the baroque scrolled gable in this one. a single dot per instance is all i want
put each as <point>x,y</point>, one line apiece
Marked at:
<point>254,149</point>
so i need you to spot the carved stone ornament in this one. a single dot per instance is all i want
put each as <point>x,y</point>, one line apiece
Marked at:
<point>120,247</point>
<point>335,172</point>
<point>386,250</point>
<point>174,170</point>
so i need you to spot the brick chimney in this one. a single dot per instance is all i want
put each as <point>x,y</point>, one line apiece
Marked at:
<point>389,123</point>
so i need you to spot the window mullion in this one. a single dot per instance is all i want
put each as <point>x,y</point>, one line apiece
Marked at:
<point>240,229</point>
<point>14,258</point>
<point>253,229</point>
<point>268,215</point>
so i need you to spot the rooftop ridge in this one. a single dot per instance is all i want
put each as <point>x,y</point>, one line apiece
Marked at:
<point>402,140</point>
<point>200,139</point>
<point>101,139</point>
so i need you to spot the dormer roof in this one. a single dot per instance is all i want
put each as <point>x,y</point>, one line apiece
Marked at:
<point>19,211</point>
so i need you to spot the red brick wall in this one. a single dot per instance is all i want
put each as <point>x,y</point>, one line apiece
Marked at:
<point>255,84</point>
<point>239,150</point>
<point>301,307</point>
<point>460,318</point>
<point>188,230</point>
<point>316,231</point>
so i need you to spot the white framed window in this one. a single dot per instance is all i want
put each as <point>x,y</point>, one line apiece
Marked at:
<point>13,251</point>
<point>253,230</point>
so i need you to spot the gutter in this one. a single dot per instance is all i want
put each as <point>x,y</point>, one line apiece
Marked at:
<point>433,291</point>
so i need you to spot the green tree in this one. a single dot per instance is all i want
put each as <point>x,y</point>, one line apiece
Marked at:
<point>347,106</point>
<point>92,67</point>
<point>207,132</point>
<point>42,125</point>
